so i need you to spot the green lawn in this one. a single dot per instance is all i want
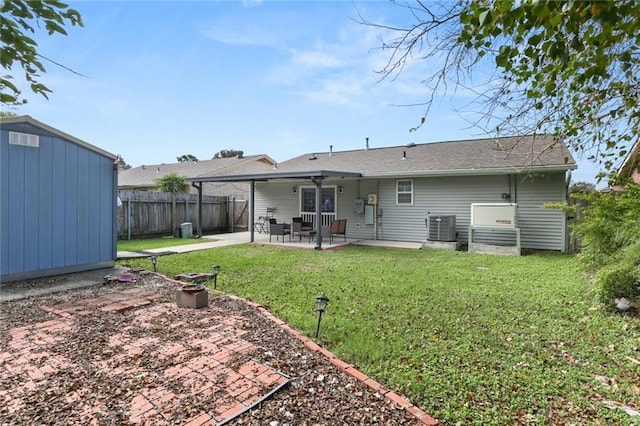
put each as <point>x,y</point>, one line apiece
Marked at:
<point>153,243</point>
<point>475,339</point>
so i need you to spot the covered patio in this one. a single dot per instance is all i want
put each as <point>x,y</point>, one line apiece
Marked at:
<point>243,237</point>
<point>316,177</point>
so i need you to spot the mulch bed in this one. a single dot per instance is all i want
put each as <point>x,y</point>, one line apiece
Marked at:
<point>318,393</point>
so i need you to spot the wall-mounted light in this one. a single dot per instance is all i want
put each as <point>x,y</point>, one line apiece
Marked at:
<point>340,189</point>
<point>294,189</point>
<point>119,161</point>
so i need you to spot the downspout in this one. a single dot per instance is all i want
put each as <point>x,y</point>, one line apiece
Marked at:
<point>318,183</point>
<point>375,212</point>
<point>199,188</point>
<point>567,231</point>
<point>114,214</point>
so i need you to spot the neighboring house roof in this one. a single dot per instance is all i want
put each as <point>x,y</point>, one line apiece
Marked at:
<point>144,176</point>
<point>468,157</point>
<point>629,168</point>
<point>28,124</point>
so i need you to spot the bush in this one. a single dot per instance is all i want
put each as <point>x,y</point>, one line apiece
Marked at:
<point>610,232</point>
<point>618,280</point>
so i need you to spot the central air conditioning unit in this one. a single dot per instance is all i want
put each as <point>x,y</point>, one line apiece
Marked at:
<point>441,227</point>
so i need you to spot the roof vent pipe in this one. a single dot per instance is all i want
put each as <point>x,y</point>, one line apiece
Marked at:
<point>366,146</point>
<point>330,150</point>
<point>404,155</point>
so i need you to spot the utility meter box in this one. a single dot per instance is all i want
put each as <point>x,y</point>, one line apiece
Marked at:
<point>358,206</point>
<point>494,215</point>
<point>372,199</point>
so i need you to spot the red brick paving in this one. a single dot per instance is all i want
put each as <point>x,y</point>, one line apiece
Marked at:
<point>26,361</point>
<point>28,364</point>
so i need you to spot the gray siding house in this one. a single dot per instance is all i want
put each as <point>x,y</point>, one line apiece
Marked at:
<point>414,180</point>
<point>57,202</point>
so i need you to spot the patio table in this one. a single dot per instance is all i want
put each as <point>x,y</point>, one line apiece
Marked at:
<point>309,234</point>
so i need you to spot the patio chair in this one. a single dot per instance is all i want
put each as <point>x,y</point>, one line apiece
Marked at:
<point>278,229</point>
<point>301,229</point>
<point>261,225</point>
<point>338,227</point>
<point>296,227</point>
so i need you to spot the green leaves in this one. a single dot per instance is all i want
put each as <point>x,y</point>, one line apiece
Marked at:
<point>172,183</point>
<point>18,18</point>
<point>563,67</point>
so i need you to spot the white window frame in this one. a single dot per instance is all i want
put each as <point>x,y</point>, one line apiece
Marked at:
<point>398,192</point>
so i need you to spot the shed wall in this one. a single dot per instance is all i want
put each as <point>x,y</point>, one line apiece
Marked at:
<point>57,213</point>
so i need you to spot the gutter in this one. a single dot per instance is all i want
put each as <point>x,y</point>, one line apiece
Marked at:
<point>473,172</point>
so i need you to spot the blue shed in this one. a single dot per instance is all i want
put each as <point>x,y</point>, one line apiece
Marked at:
<point>58,210</point>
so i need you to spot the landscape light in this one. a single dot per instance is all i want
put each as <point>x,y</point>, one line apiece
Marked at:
<point>154,260</point>
<point>321,302</point>
<point>216,271</point>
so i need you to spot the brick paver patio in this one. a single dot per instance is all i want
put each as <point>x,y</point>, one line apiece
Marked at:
<point>203,366</point>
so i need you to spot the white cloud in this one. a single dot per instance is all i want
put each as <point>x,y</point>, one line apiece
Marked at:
<point>251,3</point>
<point>315,59</point>
<point>232,35</point>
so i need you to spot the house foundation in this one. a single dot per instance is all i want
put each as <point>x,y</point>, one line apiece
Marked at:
<point>442,245</point>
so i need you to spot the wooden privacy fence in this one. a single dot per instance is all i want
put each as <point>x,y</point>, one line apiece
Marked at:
<point>148,213</point>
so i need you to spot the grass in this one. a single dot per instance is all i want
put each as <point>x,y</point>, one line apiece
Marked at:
<point>474,339</point>
<point>153,243</point>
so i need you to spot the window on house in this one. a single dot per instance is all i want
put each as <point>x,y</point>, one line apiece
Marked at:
<point>308,200</point>
<point>404,192</point>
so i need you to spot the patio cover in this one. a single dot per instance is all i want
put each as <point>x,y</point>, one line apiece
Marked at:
<point>317,177</point>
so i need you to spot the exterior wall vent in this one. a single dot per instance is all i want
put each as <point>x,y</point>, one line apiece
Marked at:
<point>24,139</point>
<point>441,228</point>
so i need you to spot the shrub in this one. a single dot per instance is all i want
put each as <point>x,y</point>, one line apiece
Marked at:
<point>609,223</point>
<point>618,280</point>
<point>610,232</point>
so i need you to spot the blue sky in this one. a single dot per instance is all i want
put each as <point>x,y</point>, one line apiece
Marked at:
<point>280,78</point>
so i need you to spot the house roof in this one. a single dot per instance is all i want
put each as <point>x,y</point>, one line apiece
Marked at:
<point>144,176</point>
<point>27,124</point>
<point>467,157</point>
<point>630,164</point>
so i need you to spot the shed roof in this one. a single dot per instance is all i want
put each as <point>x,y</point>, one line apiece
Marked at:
<point>467,157</point>
<point>27,124</point>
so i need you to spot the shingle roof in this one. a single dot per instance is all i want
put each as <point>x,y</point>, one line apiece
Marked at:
<point>494,155</point>
<point>630,164</point>
<point>145,175</point>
